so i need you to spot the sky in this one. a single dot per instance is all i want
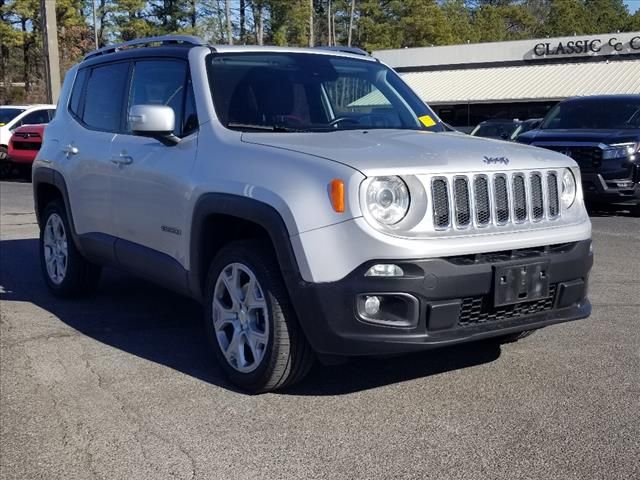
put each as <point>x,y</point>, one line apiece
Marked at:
<point>633,5</point>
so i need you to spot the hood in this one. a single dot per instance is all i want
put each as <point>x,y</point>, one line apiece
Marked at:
<point>398,152</point>
<point>607,137</point>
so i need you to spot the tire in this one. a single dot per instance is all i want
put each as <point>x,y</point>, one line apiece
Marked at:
<point>514,337</point>
<point>69,274</point>
<point>6,167</point>
<point>256,338</point>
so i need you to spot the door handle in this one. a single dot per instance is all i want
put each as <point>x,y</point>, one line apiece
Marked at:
<point>122,159</point>
<point>70,150</point>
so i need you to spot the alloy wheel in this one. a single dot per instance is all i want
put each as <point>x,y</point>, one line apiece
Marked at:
<point>56,254</point>
<point>240,317</point>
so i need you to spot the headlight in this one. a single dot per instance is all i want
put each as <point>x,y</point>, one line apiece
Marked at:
<point>620,150</point>
<point>568,194</point>
<point>388,199</point>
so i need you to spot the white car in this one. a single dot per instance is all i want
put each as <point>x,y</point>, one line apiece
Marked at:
<point>309,199</point>
<point>14,116</point>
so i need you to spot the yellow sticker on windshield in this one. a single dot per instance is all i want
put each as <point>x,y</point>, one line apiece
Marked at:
<point>2,124</point>
<point>427,121</point>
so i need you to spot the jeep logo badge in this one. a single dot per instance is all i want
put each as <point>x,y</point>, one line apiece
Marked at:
<point>496,160</point>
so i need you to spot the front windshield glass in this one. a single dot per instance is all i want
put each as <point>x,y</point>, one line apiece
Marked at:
<point>8,114</point>
<point>289,92</point>
<point>612,113</point>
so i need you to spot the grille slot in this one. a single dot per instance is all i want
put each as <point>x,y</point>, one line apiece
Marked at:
<point>501,199</point>
<point>519,198</point>
<point>537,207</point>
<point>461,196</point>
<point>552,188</point>
<point>440,194</point>
<point>481,197</point>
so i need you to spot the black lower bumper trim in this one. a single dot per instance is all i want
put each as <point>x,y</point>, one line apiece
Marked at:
<point>621,192</point>
<point>456,302</point>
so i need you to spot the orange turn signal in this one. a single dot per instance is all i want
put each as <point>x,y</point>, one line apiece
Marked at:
<point>336,192</point>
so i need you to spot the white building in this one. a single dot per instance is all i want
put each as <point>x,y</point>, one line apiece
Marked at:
<point>469,83</point>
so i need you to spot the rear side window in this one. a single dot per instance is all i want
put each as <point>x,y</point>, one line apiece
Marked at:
<point>104,97</point>
<point>160,82</point>
<point>76,93</point>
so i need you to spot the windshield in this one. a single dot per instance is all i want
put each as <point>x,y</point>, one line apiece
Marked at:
<point>289,92</point>
<point>8,114</point>
<point>611,113</point>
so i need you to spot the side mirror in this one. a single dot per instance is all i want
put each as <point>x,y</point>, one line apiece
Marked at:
<point>155,121</point>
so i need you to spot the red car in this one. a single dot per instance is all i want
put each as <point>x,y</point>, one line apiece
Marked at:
<point>24,144</point>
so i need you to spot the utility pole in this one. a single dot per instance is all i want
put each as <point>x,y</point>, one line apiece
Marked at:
<point>50,41</point>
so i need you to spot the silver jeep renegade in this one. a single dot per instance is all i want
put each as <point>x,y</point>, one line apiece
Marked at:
<point>309,199</point>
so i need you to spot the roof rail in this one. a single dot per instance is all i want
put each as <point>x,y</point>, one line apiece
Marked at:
<point>163,40</point>
<point>352,50</point>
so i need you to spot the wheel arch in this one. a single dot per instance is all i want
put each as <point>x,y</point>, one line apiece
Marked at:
<point>48,185</point>
<point>219,218</point>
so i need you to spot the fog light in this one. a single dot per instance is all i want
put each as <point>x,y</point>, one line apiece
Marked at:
<point>384,270</point>
<point>372,305</point>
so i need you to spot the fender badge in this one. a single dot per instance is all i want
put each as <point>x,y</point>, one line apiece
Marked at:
<point>175,231</point>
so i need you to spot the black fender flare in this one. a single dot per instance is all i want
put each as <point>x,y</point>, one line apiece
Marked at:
<point>49,176</point>
<point>250,210</point>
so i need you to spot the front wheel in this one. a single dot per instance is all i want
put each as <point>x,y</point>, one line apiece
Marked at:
<point>66,272</point>
<point>250,322</point>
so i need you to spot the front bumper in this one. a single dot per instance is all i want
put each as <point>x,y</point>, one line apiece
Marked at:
<point>454,301</point>
<point>622,191</point>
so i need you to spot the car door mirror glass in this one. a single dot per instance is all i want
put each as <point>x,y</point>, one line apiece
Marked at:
<point>155,121</point>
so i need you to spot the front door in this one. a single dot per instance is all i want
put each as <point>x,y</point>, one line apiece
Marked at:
<point>151,180</point>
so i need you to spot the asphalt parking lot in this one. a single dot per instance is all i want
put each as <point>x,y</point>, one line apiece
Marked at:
<point>121,386</point>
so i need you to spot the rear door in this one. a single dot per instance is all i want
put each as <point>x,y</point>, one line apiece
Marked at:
<point>96,105</point>
<point>151,186</point>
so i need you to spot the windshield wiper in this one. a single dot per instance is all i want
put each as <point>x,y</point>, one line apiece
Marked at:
<point>265,128</point>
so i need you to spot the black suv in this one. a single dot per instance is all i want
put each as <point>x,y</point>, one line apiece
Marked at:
<point>602,134</point>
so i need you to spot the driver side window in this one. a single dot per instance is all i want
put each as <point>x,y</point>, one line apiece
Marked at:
<point>160,82</point>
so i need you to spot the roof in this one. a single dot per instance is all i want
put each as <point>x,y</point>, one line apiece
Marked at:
<point>166,44</point>
<point>521,83</point>
<point>334,52</point>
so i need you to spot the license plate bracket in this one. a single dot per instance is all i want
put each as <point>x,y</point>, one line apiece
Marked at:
<point>520,283</point>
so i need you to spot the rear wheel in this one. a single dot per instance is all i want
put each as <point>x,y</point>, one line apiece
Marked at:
<point>66,272</point>
<point>250,322</point>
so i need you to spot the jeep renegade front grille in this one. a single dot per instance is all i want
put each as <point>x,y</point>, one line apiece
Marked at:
<point>463,201</point>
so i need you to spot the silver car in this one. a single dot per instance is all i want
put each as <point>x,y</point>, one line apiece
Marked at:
<point>309,199</point>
